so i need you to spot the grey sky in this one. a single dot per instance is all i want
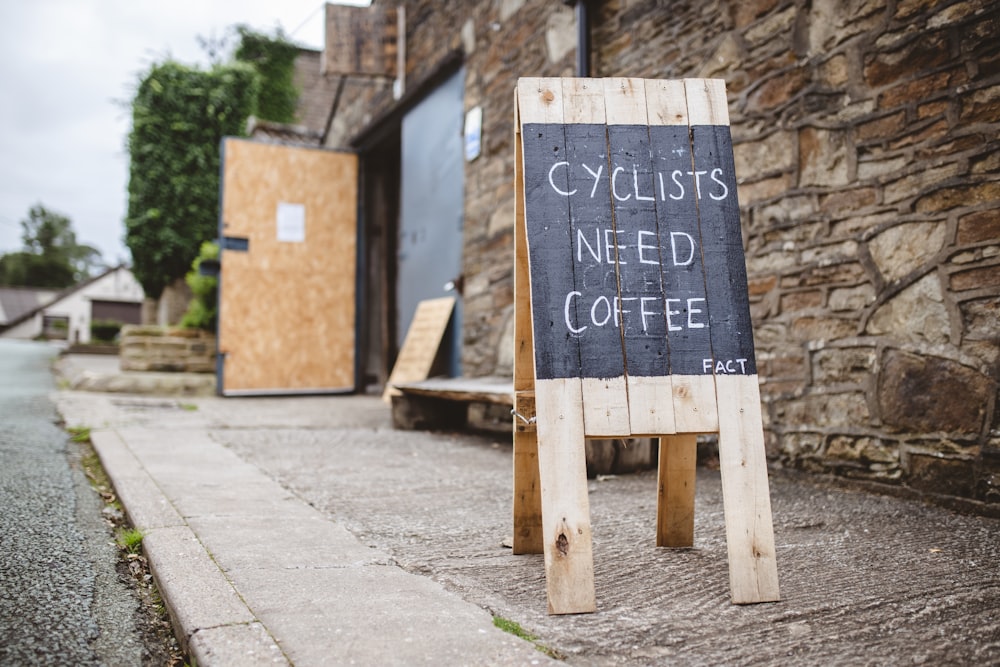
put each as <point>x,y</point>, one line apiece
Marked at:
<point>67,72</point>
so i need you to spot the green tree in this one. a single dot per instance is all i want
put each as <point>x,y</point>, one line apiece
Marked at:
<point>274,59</point>
<point>179,116</point>
<point>51,256</point>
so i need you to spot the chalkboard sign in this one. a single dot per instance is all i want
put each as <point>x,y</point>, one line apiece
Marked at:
<point>635,251</point>
<point>632,318</point>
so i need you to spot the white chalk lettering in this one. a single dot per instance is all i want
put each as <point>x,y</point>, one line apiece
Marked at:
<point>673,185</point>
<point>673,247</point>
<point>616,246</point>
<point>614,310</point>
<point>609,246</point>
<point>670,312</point>
<point>553,183</point>
<point>614,185</point>
<point>646,313</point>
<point>635,183</point>
<point>680,186</point>
<point>725,188</point>
<point>597,178</point>
<point>593,310</point>
<point>642,246</point>
<point>724,367</point>
<point>569,323</point>
<point>691,311</point>
<point>581,241</point>
<point>697,180</point>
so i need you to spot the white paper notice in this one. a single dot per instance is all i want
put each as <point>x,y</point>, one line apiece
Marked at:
<point>291,222</point>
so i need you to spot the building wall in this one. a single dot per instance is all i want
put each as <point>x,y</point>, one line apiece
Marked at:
<point>116,285</point>
<point>501,40</point>
<point>865,137</point>
<point>866,146</point>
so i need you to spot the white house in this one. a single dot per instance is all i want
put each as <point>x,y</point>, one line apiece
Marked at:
<point>112,295</point>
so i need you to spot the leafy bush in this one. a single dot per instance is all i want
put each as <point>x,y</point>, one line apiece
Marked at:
<point>179,117</point>
<point>274,59</point>
<point>204,306</point>
<point>104,330</point>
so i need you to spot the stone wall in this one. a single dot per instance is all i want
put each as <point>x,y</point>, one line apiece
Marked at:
<point>865,138</point>
<point>866,146</point>
<point>167,349</point>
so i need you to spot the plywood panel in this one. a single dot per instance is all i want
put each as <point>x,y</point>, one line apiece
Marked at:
<point>420,348</point>
<point>287,302</point>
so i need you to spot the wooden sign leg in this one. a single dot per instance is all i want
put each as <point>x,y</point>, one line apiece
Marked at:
<point>675,496</point>
<point>527,488</point>
<point>562,466</point>
<point>753,570</point>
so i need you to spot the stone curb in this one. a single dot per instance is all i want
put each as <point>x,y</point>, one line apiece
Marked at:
<point>215,626</point>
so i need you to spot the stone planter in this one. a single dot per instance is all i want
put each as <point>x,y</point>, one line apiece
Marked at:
<point>167,349</point>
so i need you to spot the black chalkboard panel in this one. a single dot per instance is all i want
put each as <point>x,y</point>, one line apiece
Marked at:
<point>725,264</point>
<point>595,277</point>
<point>635,251</point>
<point>550,249</point>
<point>641,304</point>
<point>686,305</point>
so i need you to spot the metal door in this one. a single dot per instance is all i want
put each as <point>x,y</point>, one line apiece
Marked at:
<point>287,286</point>
<point>430,226</point>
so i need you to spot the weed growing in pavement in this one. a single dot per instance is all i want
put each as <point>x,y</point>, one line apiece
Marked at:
<point>79,434</point>
<point>155,624</point>
<point>514,628</point>
<point>129,540</point>
<point>190,407</point>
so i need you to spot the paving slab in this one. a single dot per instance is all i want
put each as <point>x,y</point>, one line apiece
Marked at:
<point>344,538</point>
<point>242,645</point>
<point>252,574</point>
<point>145,505</point>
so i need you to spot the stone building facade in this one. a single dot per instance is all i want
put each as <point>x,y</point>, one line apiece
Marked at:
<point>866,144</point>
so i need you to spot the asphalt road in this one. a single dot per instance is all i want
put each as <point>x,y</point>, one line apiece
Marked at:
<point>62,602</point>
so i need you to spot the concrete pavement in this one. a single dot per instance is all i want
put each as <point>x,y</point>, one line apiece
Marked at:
<point>306,531</point>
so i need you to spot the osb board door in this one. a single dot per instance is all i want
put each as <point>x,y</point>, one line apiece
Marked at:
<point>288,270</point>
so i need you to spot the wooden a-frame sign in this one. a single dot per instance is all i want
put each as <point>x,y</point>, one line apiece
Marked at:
<point>632,318</point>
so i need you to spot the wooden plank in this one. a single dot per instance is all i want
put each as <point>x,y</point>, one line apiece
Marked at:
<point>562,466</point>
<point>527,504</point>
<point>287,302</point>
<point>688,338</point>
<point>421,345</point>
<point>753,568</point>
<point>528,536</point>
<point>721,238</point>
<point>753,572</point>
<point>549,241</point>
<point>640,284</point>
<point>676,487</point>
<point>602,361</point>
<point>496,390</point>
<point>569,567</point>
<point>524,360</point>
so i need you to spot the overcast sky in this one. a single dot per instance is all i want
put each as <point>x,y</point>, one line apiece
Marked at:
<point>68,69</point>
